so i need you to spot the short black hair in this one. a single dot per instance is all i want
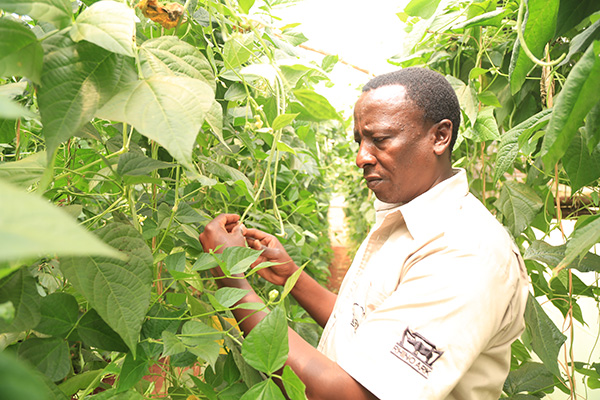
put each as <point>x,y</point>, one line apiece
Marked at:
<point>427,89</point>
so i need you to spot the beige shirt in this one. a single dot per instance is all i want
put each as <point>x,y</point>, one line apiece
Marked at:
<point>432,302</point>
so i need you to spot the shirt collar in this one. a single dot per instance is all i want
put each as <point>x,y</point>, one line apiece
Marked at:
<point>425,212</point>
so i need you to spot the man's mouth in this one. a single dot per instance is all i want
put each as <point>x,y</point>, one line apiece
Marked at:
<point>372,181</point>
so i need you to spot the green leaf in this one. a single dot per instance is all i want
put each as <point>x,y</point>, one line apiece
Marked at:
<point>488,98</point>
<point>136,164</point>
<point>582,41</point>
<point>592,127</point>
<point>79,382</point>
<point>238,49</point>
<point>20,289</point>
<point>467,97</point>
<point>246,5</point>
<point>582,167</point>
<point>316,105</point>
<point>199,339</point>
<point>509,148</point>
<point>538,29</point>
<point>519,204</point>
<point>167,109</point>
<point>132,370</point>
<point>19,381</point>
<point>266,346</point>
<point>294,387</point>
<point>529,377</point>
<point>21,54</point>
<point>546,338</point>
<point>26,171</point>
<point>108,24</point>
<point>59,12</point>
<point>96,333</point>
<point>491,18</point>
<point>238,259</point>
<point>582,239</point>
<point>291,282</point>
<point>113,394</point>
<point>421,8</point>
<point>572,12</point>
<point>204,262</point>
<point>60,313</point>
<point>172,344</point>
<point>580,93</point>
<point>26,222</point>
<point>169,55</point>
<point>50,356</point>
<point>227,173</point>
<point>283,120</point>
<point>76,80</point>
<point>227,296</point>
<point>214,119</point>
<point>265,390</point>
<point>118,290</point>
<point>485,126</point>
<point>12,110</point>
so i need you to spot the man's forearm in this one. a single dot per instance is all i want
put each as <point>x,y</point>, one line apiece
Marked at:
<point>314,298</point>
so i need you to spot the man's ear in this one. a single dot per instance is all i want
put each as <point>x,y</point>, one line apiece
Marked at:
<point>442,132</point>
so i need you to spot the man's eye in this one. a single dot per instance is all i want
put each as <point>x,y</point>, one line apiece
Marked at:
<point>378,139</point>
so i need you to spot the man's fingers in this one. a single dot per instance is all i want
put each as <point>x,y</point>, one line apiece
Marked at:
<point>257,234</point>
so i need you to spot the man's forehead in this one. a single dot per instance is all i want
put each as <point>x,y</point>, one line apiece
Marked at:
<point>382,94</point>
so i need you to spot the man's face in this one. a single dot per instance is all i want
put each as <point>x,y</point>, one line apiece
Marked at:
<point>395,145</point>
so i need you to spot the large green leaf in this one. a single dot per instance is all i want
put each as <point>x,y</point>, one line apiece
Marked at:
<point>582,41</point>
<point>294,387</point>
<point>50,356</point>
<point>519,204</point>
<point>467,97</point>
<point>59,12</point>
<point>12,110</point>
<point>171,55</point>
<point>529,377</point>
<point>30,226</point>
<point>538,29</point>
<point>118,290</point>
<point>21,53</point>
<point>238,49</point>
<point>60,313</point>
<point>266,346</point>
<point>508,149</point>
<point>572,12</point>
<point>546,338</point>
<point>132,370</point>
<point>265,390</point>
<point>108,24</point>
<point>167,109</point>
<point>96,333</point>
<point>316,105</point>
<point>421,8</point>
<point>26,171</point>
<point>582,239</point>
<point>76,80</point>
<point>199,339</point>
<point>592,127</point>
<point>553,255</point>
<point>135,164</point>
<point>485,127</point>
<point>580,93</point>
<point>19,381</point>
<point>582,167</point>
<point>20,289</point>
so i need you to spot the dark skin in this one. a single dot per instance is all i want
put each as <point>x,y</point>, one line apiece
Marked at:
<point>402,156</point>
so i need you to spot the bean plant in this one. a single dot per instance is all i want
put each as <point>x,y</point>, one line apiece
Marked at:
<point>124,128</point>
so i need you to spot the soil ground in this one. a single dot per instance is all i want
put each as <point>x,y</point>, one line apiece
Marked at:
<point>337,234</point>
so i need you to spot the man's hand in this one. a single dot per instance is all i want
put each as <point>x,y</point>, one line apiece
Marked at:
<point>225,231</point>
<point>273,251</point>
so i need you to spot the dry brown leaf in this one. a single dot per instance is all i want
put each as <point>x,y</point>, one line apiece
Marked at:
<point>167,14</point>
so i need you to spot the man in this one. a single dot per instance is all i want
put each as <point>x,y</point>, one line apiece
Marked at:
<point>437,291</point>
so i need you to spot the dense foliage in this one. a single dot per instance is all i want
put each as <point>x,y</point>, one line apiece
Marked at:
<point>527,75</point>
<point>124,128</point>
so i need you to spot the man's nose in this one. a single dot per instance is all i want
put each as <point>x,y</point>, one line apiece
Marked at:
<point>365,156</point>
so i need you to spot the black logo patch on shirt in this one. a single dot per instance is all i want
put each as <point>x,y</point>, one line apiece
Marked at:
<point>417,352</point>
